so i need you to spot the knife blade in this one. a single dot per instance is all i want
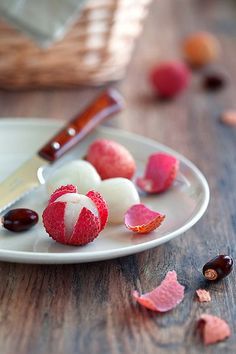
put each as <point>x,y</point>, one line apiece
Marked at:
<point>30,174</point>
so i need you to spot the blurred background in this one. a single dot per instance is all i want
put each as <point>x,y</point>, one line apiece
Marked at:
<point>52,65</point>
<point>55,71</point>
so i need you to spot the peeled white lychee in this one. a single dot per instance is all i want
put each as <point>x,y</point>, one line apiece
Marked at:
<point>79,173</point>
<point>120,194</point>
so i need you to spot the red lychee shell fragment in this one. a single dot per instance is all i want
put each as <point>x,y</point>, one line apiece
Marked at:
<point>101,206</point>
<point>203,295</point>
<point>111,159</point>
<point>213,329</point>
<point>160,173</point>
<point>141,219</point>
<point>53,220</point>
<point>165,297</point>
<point>87,226</point>
<point>69,188</point>
<point>86,229</point>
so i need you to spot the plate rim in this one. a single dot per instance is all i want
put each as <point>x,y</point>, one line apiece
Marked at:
<point>71,257</point>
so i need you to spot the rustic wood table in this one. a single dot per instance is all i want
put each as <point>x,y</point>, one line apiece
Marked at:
<point>87,308</point>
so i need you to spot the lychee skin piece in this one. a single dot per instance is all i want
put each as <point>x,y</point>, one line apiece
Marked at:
<point>142,220</point>
<point>101,206</point>
<point>163,298</point>
<point>53,220</point>
<point>69,188</point>
<point>86,229</point>
<point>213,329</point>
<point>169,78</point>
<point>111,159</point>
<point>160,173</point>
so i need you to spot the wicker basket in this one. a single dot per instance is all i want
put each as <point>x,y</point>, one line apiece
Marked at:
<point>96,49</point>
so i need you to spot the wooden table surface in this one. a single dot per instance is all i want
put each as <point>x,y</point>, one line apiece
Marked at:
<point>87,308</point>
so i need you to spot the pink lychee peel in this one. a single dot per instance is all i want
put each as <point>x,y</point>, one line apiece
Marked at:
<point>213,329</point>
<point>139,218</point>
<point>160,173</point>
<point>163,298</point>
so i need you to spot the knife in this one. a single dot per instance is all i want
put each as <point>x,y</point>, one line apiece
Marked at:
<point>30,174</point>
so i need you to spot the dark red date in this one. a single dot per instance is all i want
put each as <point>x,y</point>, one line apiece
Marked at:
<point>213,82</point>
<point>215,78</point>
<point>18,220</point>
<point>218,267</point>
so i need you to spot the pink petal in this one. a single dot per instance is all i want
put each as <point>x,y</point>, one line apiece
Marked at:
<point>165,297</point>
<point>203,295</point>
<point>160,173</point>
<point>141,219</point>
<point>213,329</point>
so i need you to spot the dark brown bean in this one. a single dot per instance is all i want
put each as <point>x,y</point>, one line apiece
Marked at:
<point>218,267</point>
<point>18,220</point>
<point>214,80</point>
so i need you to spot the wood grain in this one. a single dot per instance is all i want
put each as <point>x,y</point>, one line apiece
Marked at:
<point>88,308</point>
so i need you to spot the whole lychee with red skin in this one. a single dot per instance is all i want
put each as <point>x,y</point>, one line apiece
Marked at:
<point>111,159</point>
<point>168,79</point>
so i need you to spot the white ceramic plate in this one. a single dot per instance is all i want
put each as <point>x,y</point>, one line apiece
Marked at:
<point>183,204</point>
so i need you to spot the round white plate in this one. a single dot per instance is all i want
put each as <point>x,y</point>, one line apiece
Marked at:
<point>183,204</point>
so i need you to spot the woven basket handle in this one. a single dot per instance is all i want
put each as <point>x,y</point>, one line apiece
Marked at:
<point>107,104</point>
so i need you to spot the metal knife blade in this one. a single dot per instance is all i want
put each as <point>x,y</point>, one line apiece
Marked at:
<point>27,177</point>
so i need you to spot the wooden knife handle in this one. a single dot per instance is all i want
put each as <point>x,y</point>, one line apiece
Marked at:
<point>108,103</point>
